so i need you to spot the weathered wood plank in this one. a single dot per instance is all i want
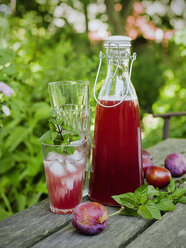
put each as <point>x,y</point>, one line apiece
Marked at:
<point>119,230</point>
<point>30,225</point>
<point>170,232</point>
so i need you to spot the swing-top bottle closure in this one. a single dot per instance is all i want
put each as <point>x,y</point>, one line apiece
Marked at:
<point>117,47</point>
<point>122,41</point>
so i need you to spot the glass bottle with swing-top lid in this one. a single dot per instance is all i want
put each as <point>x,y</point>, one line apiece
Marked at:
<point>116,159</point>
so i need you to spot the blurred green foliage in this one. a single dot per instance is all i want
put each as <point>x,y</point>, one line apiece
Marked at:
<point>30,57</point>
<point>172,92</point>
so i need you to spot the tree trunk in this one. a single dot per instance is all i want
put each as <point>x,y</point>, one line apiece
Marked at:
<point>117,19</point>
<point>86,15</point>
<point>13,6</point>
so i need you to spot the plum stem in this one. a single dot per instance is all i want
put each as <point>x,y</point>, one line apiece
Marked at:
<point>118,212</point>
<point>102,218</point>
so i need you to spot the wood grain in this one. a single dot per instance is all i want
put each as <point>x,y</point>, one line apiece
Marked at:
<point>30,225</point>
<point>170,232</point>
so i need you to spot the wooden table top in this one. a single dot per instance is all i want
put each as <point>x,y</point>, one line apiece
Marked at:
<point>38,227</point>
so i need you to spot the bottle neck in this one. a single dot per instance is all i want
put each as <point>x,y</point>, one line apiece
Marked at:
<point>122,53</point>
<point>118,58</point>
<point>117,85</point>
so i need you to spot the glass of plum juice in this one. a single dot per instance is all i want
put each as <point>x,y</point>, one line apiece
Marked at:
<point>65,170</point>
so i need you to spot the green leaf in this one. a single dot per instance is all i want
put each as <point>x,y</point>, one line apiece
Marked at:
<point>52,127</point>
<point>34,199</point>
<point>180,181</point>
<point>70,149</point>
<point>65,143</point>
<point>154,210</point>
<point>70,129</point>
<point>155,199</point>
<point>152,191</point>
<point>14,177</point>
<point>163,195</point>
<point>21,201</point>
<point>54,135</point>
<point>58,122</point>
<point>172,186</point>
<point>182,199</point>
<point>177,193</point>
<point>4,214</point>
<point>41,187</point>
<point>4,182</point>
<point>33,166</point>
<point>166,205</point>
<point>67,137</point>
<point>53,113</point>
<point>46,138</point>
<point>144,212</point>
<point>21,156</point>
<point>128,200</point>
<point>117,199</point>
<point>6,201</point>
<point>141,193</point>
<point>62,149</point>
<point>41,110</point>
<point>6,164</point>
<point>16,137</point>
<point>129,212</point>
<point>58,139</point>
<point>66,149</point>
<point>75,138</point>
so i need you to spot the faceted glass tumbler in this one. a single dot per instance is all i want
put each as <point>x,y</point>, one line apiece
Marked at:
<point>69,92</point>
<point>76,116</point>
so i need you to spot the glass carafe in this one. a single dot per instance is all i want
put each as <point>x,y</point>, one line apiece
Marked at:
<point>116,160</point>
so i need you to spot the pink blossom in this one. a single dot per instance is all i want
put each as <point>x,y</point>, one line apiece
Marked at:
<point>133,34</point>
<point>138,8</point>
<point>5,89</point>
<point>168,34</point>
<point>131,20</point>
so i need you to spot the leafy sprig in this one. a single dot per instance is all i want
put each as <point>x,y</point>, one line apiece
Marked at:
<point>60,134</point>
<point>149,202</point>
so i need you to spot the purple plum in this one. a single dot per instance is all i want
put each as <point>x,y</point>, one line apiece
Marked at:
<point>146,154</point>
<point>176,164</point>
<point>90,217</point>
<point>147,163</point>
<point>158,176</point>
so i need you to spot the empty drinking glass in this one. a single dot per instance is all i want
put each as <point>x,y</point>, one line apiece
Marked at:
<point>76,116</point>
<point>69,92</point>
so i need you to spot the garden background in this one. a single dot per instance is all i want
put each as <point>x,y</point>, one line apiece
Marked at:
<point>48,40</point>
